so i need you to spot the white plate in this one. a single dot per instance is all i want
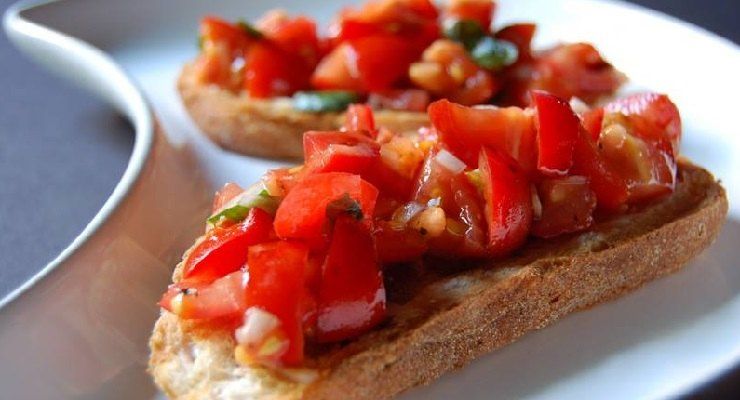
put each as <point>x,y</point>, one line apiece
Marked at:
<point>79,328</point>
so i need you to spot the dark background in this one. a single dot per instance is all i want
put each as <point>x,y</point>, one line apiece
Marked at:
<point>62,152</point>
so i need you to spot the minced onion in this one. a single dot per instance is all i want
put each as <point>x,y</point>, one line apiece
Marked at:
<point>257,324</point>
<point>578,106</point>
<point>449,161</point>
<point>536,204</point>
<point>405,213</point>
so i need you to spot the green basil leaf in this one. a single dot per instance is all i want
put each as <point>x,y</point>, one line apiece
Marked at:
<point>236,214</point>
<point>494,54</point>
<point>249,29</point>
<point>324,101</point>
<point>467,32</point>
<point>200,42</point>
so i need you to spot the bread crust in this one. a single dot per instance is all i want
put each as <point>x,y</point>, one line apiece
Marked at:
<point>266,127</point>
<point>440,321</point>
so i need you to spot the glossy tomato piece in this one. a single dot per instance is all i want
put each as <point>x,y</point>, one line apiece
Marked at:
<point>276,284</point>
<point>364,64</point>
<point>415,100</point>
<point>303,212</point>
<point>480,11</point>
<point>508,201</point>
<point>610,188</point>
<point>651,116</point>
<point>214,30</point>
<point>575,70</point>
<point>292,35</point>
<point>359,117</point>
<point>591,121</point>
<point>271,72</point>
<point>224,195</point>
<point>224,297</point>
<point>464,130</point>
<point>352,296</point>
<point>557,131</point>
<point>567,205</point>
<point>398,244</point>
<point>415,20</point>
<point>338,152</point>
<point>224,250</point>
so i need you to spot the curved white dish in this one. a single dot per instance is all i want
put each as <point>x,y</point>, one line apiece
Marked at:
<point>79,328</point>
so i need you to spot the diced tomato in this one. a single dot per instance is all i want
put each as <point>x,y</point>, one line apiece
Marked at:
<point>649,169</point>
<point>359,117</point>
<point>432,182</point>
<point>652,117</point>
<point>215,30</point>
<point>557,132</point>
<point>471,214</point>
<point>508,200</point>
<point>480,11</point>
<point>271,72</point>
<point>389,181</point>
<point>292,35</point>
<point>610,188</point>
<point>363,64</point>
<point>415,100</point>
<point>464,130</point>
<point>303,212</point>
<point>338,152</point>
<point>352,296</point>
<point>575,70</point>
<point>567,203</point>
<point>591,121</point>
<point>225,194</point>
<point>521,35</point>
<point>415,20</point>
<point>224,250</point>
<point>224,297</point>
<point>276,284</point>
<point>398,245</point>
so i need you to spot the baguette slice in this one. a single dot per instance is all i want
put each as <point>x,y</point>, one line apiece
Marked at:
<point>439,322</point>
<point>267,127</point>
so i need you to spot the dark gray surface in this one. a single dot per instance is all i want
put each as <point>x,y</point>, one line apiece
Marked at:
<point>62,152</point>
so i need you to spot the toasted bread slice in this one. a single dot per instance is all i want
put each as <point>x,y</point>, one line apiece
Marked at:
<point>267,127</point>
<point>440,321</point>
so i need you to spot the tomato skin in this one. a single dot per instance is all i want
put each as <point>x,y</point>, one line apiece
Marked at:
<point>351,298</point>
<point>464,130</point>
<point>557,131</point>
<point>416,20</point>
<point>302,213</point>
<point>271,72</point>
<point>610,188</point>
<point>480,11</point>
<point>359,117</point>
<point>414,100</point>
<point>338,152</point>
<point>292,36</point>
<point>363,64</point>
<point>568,204</point>
<point>508,201</point>
<point>224,297</point>
<point>224,195</point>
<point>224,250</point>
<point>278,267</point>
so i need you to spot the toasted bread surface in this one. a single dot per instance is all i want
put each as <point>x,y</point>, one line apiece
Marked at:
<point>439,320</point>
<point>267,127</point>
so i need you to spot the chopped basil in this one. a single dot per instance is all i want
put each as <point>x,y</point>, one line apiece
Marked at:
<point>323,101</point>
<point>467,32</point>
<point>344,205</point>
<point>240,210</point>
<point>494,54</point>
<point>249,29</point>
